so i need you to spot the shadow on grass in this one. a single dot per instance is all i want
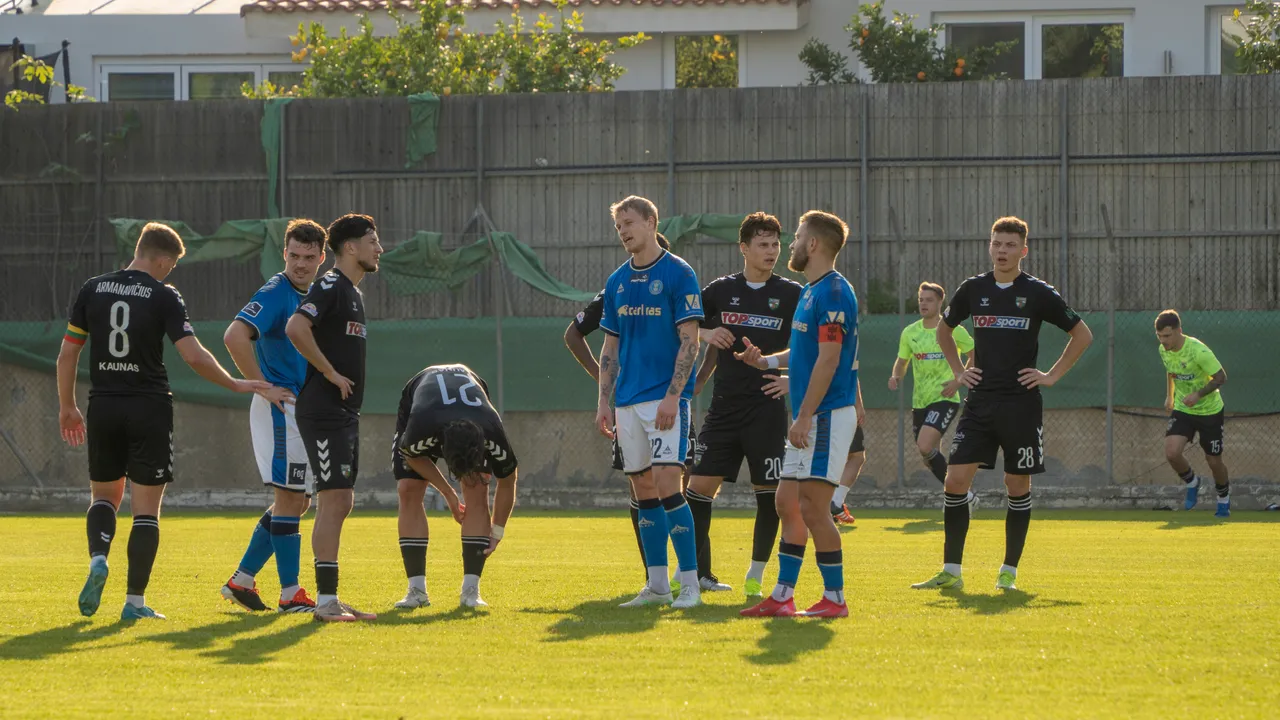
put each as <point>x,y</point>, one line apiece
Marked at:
<point>917,527</point>
<point>786,639</point>
<point>597,618</point>
<point>204,636</point>
<point>1003,602</point>
<point>1182,520</point>
<point>56,641</point>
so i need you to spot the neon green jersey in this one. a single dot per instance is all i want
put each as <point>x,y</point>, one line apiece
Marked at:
<point>1191,367</point>
<point>919,344</point>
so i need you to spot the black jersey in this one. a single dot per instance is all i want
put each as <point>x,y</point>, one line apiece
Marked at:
<point>588,321</point>
<point>764,316</point>
<point>335,308</point>
<point>1006,326</point>
<point>125,315</point>
<point>441,394</point>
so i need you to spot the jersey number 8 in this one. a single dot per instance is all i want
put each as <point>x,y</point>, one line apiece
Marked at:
<point>119,321</point>
<point>462,391</point>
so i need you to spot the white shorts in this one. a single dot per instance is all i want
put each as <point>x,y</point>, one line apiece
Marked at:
<point>278,448</point>
<point>643,445</point>
<point>830,435</point>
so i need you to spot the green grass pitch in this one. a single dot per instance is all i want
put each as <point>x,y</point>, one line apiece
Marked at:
<point>1121,615</point>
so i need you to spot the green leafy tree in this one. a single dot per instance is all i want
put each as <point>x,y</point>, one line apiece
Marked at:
<point>1258,53</point>
<point>707,61</point>
<point>433,52</point>
<point>826,66</point>
<point>38,71</point>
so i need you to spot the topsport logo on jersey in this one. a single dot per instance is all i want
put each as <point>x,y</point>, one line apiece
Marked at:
<point>751,321</point>
<point>1001,322</point>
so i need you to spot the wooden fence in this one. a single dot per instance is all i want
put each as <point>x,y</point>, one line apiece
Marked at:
<point>1189,167</point>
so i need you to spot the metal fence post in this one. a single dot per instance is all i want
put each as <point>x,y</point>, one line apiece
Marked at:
<point>902,322</point>
<point>1111,345</point>
<point>1064,192</point>
<point>864,202</point>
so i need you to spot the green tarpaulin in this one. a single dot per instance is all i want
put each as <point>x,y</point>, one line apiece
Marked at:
<point>272,131</point>
<point>424,124</point>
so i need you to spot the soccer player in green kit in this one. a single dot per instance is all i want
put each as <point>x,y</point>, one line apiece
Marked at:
<point>1195,406</point>
<point>934,402</point>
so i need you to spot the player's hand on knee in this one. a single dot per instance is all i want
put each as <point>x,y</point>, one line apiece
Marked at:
<point>493,545</point>
<point>777,386</point>
<point>667,409</point>
<point>343,384</point>
<point>71,423</point>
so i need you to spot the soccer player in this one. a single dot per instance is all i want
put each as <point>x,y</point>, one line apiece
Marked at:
<point>934,403</point>
<point>328,328</point>
<point>261,350</point>
<point>852,467</point>
<point>652,309</point>
<point>1195,406</point>
<point>445,412</point>
<point>823,361</point>
<point>1004,411</point>
<point>744,421</point>
<point>125,316</point>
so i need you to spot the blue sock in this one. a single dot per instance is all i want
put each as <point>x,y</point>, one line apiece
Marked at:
<point>680,527</point>
<point>259,550</point>
<point>831,565</point>
<point>790,558</point>
<point>653,532</point>
<point>287,544</point>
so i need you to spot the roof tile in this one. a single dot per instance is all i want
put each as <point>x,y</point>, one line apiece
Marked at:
<point>352,6</point>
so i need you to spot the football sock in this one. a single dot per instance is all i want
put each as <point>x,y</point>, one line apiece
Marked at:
<point>790,558</point>
<point>1016,522</point>
<point>1224,492</point>
<point>258,552</point>
<point>1189,477</point>
<point>765,533</point>
<point>700,507</point>
<point>326,581</point>
<point>831,565</point>
<point>653,534</point>
<point>1009,569</point>
<point>144,540</point>
<point>135,600</point>
<point>756,571</point>
<point>286,542</point>
<point>473,557</point>
<point>100,522</point>
<point>937,465</point>
<point>837,497</point>
<point>635,526</point>
<point>680,524</point>
<point>413,551</point>
<point>955,519</point>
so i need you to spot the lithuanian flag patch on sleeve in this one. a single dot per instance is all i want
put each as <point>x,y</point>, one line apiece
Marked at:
<point>75,335</point>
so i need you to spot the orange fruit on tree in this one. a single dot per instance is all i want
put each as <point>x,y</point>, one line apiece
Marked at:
<point>920,75</point>
<point>866,32</point>
<point>960,62</point>
<point>959,72</point>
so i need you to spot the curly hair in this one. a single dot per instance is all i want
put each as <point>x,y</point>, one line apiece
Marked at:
<point>462,446</point>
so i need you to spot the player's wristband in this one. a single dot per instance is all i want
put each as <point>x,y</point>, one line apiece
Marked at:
<point>496,532</point>
<point>773,362</point>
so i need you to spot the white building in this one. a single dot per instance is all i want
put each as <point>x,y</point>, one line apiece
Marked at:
<point>195,49</point>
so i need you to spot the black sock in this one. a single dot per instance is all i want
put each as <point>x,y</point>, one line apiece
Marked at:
<point>326,578</point>
<point>955,518</point>
<point>700,506</point>
<point>635,525</point>
<point>473,557</point>
<point>414,553</point>
<point>144,540</point>
<point>1188,476</point>
<point>1016,522</point>
<point>1224,490</point>
<point>766,529</point>
<point>937,465</point>
<point>101,524</point>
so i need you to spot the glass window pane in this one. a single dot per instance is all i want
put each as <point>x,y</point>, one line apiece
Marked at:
<point>1233,34</point>
<point>1010,64</point>
<point>140,86</point>
<point>707,61</point>
<point>215,85</point>
<point>1082,51</point>
<point>285,80</point>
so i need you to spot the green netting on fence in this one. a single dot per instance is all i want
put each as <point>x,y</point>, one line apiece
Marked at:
<point>542,376</point>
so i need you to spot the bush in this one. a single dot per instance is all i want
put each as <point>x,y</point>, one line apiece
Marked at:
<point>706,61</point>
<point>1259,53</point>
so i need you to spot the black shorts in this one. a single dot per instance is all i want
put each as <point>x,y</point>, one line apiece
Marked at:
<point>688,456</point>
<point>400,469</point>
<point>857,445</point>
<point>1013,425</point>
<point>333,449</point>
<point>130,435</point>
<point>757,433</point>
<point>935,415</point>
<point>1209,427</point>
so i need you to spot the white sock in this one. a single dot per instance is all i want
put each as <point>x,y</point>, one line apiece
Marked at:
<point>286,594</point>
<point>418,582</point>
<point>1009,569</point>
<point>658,580</point>
<point>953,568</point>
<point>971,496</point>
<point>756,571</point>
<point>782,593</point>
<point>323,599</point>
<point>135,600</point>
<point>839,495</point>
<point>471,581</point>
<point>1195,482</point>
<point>835,596</point>
<point>689,578</point>
<point>243,579</point>
<point>1225,499</point>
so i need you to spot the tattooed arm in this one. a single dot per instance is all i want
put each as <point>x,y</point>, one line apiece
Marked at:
<point>686,358</point>
<point>608,382</point>
<point>1216,381</point>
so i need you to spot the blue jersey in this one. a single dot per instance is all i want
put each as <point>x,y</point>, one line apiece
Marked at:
<point>828,311</point>
<point>642,307</point>
<point>267,313</point>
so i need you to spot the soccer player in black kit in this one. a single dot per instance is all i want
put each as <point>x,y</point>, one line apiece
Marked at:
<point>445,412</point>
<point>328,328</point>
<point>1003,411</point>
<point>125,316</point>
<point>748,415</point>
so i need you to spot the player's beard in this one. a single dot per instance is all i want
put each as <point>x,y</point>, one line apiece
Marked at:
<point>798,260</point>
<point>369,267</point>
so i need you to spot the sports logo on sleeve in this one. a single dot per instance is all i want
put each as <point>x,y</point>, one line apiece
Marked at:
<point>693,302</point>
<point>252,309</point>
<point>310,309</point>
<point>356,328</point>
<point>835,316</point>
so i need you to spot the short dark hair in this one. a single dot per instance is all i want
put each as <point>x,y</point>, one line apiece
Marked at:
<point>662,242</point>
<point>640,205</point>
<point>462,446</point>
<point>756,223</point>
<point>1013,225</point>
<point>827,227</point>
<point>1168,319</point>
<point>935,288</point>
<point>306,232</point>
<point>159,239</point>
<point>351,226</point>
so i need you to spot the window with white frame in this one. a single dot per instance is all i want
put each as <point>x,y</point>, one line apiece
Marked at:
<point>1226,33</point>
<point>1057,45</point>
<point>140,81</point>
